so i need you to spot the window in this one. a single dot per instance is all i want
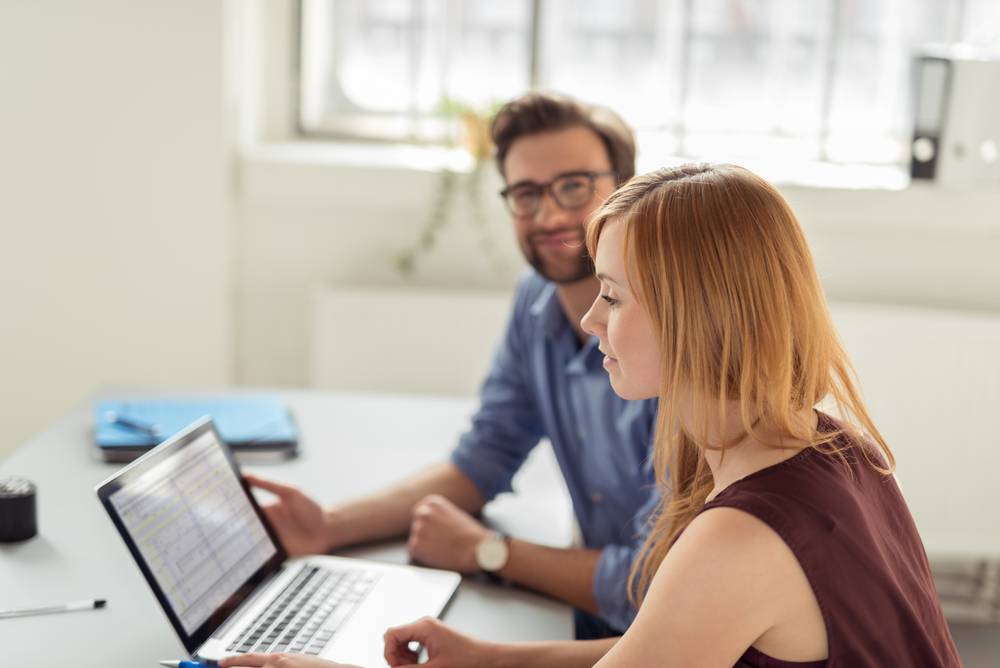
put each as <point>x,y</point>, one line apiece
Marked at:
<point>809,80</point>
<point>381,68</point>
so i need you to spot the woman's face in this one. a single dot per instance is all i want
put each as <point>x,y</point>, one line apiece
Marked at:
<point>617,319</point>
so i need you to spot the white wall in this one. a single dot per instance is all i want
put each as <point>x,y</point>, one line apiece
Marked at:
<point>115,257</point>
<point>416,341</point>
<point>926,245</point>
<point>304,223</point>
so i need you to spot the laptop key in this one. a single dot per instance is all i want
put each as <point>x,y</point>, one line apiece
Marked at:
<point>341,613</point>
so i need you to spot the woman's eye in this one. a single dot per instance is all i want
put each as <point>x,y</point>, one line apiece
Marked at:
<point>609,300</point>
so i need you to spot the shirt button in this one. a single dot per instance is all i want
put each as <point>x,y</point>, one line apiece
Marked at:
<point>596,497</point>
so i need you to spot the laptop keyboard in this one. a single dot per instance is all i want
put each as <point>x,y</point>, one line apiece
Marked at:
<point>308,612</point>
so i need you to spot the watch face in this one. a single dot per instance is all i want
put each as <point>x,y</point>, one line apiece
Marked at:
<point>491,554</point>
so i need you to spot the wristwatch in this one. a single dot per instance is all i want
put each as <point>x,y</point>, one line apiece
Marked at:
<point>492,552</point>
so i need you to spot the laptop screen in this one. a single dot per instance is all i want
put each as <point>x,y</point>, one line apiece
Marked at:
<point>194,529</point>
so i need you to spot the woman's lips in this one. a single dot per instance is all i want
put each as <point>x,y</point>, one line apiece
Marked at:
<point>609,361</point>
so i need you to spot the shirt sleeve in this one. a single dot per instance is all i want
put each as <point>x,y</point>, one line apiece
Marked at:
<point>610,587</point>
<point>507,425</point>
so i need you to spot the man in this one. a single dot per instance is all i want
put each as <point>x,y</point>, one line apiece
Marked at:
<point>560,160</point>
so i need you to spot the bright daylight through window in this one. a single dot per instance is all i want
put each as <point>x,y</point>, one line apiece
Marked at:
<point>789,80</point>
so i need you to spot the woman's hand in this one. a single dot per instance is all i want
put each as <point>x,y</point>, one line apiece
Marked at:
<point>446,647</point>
<point>258,660</point>
<point>301,524</point>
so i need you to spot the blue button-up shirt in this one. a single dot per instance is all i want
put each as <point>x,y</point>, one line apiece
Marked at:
<point>542,383</point>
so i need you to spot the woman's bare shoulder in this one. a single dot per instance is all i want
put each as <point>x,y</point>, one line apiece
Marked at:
<point>742,583</point>
<point>728,533</point>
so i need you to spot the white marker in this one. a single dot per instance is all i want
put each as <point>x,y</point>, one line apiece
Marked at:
<point>63,607</point>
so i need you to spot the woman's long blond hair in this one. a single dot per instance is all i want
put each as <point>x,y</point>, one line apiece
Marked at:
<point>722,269</point>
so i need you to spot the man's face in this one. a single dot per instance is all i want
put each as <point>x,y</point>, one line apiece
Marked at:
<point>553,238</point>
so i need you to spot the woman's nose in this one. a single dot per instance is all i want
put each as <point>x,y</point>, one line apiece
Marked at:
<point>591,322</point>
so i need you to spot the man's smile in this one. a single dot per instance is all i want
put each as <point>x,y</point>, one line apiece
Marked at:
<point>558,239</point>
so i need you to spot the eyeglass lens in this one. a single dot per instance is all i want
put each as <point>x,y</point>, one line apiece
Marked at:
<point>570,192</point>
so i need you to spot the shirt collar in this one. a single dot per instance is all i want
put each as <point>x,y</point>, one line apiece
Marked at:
<point>547,307</point>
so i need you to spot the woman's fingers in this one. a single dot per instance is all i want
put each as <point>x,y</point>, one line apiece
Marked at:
<point>252,660</point>
<point>398,639</point>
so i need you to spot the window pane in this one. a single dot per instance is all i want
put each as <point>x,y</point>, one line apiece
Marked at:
<point>490,58</point>
<point>623,54</point>
<point>756,66</point>
<point>869,109</point>
<point>383,46</point>
<point>979,25</point>
<point>391,63</point>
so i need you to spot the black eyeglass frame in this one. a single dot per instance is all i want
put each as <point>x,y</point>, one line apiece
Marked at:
<point>540,189</point>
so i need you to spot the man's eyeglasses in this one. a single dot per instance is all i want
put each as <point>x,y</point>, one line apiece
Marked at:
<point>570,191</point>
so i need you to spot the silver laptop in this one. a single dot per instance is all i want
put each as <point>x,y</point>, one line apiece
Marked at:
<point>223,579</point>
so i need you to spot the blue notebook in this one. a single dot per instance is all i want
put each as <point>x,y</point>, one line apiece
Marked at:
<point>125,428</point>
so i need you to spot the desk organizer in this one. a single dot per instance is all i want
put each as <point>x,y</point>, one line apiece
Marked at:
<point>17,509</point>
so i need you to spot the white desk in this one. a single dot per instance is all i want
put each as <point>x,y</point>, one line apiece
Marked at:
<point>351,444</point>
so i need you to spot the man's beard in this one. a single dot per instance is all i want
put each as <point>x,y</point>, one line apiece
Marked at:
<point>566,272</point>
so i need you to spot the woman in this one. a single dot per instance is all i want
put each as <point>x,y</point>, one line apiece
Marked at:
<point>786,542</point>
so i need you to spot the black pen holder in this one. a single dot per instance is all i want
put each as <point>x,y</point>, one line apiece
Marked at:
<point>18,519</point>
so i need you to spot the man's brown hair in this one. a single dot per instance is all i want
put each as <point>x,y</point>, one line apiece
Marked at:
<point>549,112</point>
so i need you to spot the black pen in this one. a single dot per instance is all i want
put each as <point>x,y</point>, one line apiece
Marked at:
<point>62,607</point>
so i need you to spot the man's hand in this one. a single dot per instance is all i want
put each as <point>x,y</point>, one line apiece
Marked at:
<point>281,660</point>
<point>301,524</point>
<point>442,535</point>
<point>446,647</point>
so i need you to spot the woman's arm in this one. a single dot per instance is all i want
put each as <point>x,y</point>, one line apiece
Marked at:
<point>447,648</point>
<point>728,583</point>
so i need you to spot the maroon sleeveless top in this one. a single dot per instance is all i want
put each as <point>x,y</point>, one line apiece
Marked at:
<point>858,546</point>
